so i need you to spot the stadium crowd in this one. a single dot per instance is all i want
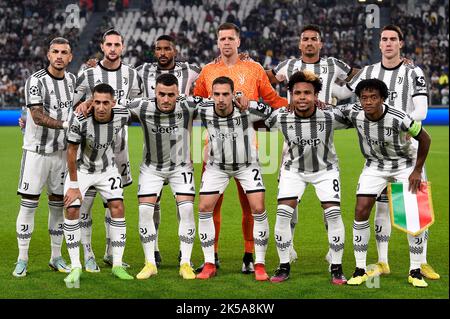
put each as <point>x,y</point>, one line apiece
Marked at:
<point>269,34</point>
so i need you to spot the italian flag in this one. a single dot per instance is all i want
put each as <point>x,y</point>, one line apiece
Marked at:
<point>411,213</point>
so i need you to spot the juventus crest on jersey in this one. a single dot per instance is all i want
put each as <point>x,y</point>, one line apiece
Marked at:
<point>327,69</point>
<point>403,82</point>
<point>186,74</point>
<point>310,140</point>
<point>96,140</point>
<point>55,95</point>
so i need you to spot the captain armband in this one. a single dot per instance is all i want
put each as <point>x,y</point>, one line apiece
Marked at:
<point>415,128</point>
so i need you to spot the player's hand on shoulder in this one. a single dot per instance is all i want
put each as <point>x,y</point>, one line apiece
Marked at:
<point>241,101</point>
<point>408,62</point>
<point>322,105</point>
<point>245,56</point>
<point>91,63</point>
<point>84,107</point>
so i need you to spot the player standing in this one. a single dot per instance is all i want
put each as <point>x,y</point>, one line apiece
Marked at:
<point>49,99</point>
<point>249,78</point>
<point>94,136</point>
<point>126,84</point>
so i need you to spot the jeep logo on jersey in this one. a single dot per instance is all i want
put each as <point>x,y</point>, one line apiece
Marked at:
<point>165,130</point>
<point>420,81</point>
<point>376,142</point>
<point>223,136</point>
<point>63,105</point>
<point>306,142</point>
<point>99,146</point>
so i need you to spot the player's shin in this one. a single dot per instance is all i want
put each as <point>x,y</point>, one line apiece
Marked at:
<point>157,221</point>
<point>283,234</point>
<point>25,226</point>
<point>207,235</point>
<point>55,226</point>
<point>382,227</point>
<point>425,246</point>
<point>108,247</point>
<point>86,223</point>
<point>186,230</point>
<point>147,231</point>
<point>72,234</point>
<point>361,236</point>
<point>261,236</point>
<point>118,233</point>
<point>336,233</point>
<point>416,244</point>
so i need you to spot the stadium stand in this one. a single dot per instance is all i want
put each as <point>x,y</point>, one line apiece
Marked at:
<point>270,31</point>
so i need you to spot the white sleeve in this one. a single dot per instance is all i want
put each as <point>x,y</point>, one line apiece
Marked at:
<point>420,107</point>
<point>341,92</point>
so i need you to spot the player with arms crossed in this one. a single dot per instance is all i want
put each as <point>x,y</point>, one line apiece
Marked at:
<point>94,136</point>
<point>310,159</point>
<point>126,84</point>
<point>249,78</point>
<point>408,92</point>
<point>232,153</point>
<point>49,98</point>
<point>186,74</point>
<point>384,138</point>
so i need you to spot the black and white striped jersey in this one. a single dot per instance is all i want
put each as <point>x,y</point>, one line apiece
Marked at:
<point>55,95</point>
<point>166,135</point>
<point>404,82</point>
<point>96,150</point>
<point>385,143</point>
<point>186,74</point>
<point>328,70</point>
<point>232,139</point>
<point>310,140</point>
<point>124,80</point>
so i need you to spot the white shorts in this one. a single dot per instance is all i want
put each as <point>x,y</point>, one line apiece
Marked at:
<point>181,180</point>
<point>108,184</point>
<point>122,160</point>
<point>327,184</point>
<point>215,180</point>
<point>372,182</point>
<point>38,170</point>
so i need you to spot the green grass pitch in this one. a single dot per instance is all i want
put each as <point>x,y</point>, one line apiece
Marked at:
<point>309,277</point>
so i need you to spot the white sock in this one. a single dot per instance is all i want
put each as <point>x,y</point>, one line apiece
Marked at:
<point>416,250</point>
<point>361,236</point>
<point>336,233</point>
<point>283,234</point>
<point>55,226</point>
<point>147,231</point>
<point>118,235</point>
<point>108,248</point>
<point>86,223</point>
<point>157,221</point>
<point>206,233</point>
<point>382,227</point>
<point>25,226</point>
<point>72,234</point>
<point>293,223</point>
<point>425,246</point>
<point>186,230</point>
<point>261,236</point>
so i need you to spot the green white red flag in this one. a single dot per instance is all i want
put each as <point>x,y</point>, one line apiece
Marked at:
<point>411,213</point>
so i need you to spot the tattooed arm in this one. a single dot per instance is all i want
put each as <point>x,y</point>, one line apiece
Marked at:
<point>41,119</point>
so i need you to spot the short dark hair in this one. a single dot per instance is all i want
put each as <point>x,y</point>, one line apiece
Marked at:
<point>393,27</point>
<point>224,80</point>
<point>60,40</point>
<point>305,76</point>
<point>166,37</point>
<point>229,26</point>
<point>103,88</point>
<point>111,32</point>
<point>312,27</point>
<point>372,84</point>
<point>167,79</point>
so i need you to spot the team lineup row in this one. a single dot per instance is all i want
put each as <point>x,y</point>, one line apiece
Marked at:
<point>231,151</point>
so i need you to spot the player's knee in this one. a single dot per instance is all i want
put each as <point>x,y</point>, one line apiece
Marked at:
<point>205,207</point>
<point>30,197</point>
<point>362,213</point>
<point>258,208</point>
<point>116,208</point>
<point>72,213</point>
<point>55,198</point>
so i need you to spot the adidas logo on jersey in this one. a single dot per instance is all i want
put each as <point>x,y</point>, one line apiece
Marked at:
<point>336,196</point>
<point>259,185</point>
<point>52,92</point>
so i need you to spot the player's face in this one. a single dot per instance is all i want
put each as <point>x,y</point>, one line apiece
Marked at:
<point>103,104</point>
<point>112,47</point>
<point>371,101</point>
<point>303,97</point>
<point>166,97</point>
<point>165,53</point>
<point>228,42</point>
<point>223,97</point>
<point>59,56</point>
<point>310,43</point>
<point>390,44</point>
